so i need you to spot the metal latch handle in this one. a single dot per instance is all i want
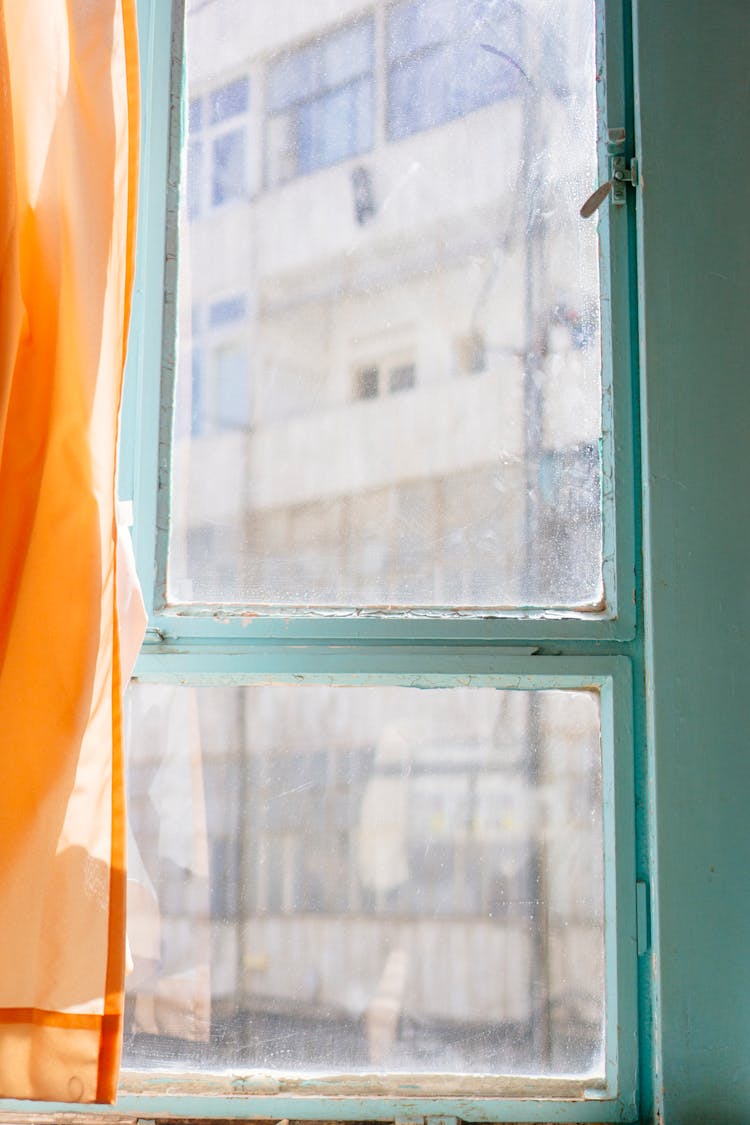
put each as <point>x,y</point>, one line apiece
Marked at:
<point>595,200</point>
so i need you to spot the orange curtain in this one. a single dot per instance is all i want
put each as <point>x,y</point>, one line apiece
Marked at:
<point>69,129</point>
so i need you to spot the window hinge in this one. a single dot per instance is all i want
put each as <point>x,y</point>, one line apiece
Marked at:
<point>642,917</point>
<point>621,172</point>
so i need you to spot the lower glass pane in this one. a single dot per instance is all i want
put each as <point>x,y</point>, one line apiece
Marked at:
<point>370,879</point>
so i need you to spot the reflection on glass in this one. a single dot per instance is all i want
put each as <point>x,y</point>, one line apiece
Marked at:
<point>392,198</point>
<point>365,879</point>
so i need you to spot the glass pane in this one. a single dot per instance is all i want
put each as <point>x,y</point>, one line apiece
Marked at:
<point>417,24</point>
<point>232,388</point>
<point>228,311</point>
<point>335,126</point>
<point>405,217</point>
<point>458,73</point>
<point>228,101</point>
<point>348,54</point>
<point>332,60</point>
<point>366,879</point>
<point>293,78</point>
<point>228,167</point>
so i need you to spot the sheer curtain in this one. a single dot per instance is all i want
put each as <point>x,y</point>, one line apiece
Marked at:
<point>69,110</point>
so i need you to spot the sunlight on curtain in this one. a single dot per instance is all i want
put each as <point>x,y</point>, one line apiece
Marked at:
<point>69,122</point>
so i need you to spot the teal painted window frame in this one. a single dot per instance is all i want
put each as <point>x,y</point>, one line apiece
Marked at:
<point>525,650</point>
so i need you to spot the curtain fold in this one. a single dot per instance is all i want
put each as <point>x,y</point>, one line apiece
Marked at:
<point>69,124</point>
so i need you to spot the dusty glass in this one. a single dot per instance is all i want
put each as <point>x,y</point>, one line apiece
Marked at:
<point>407,411</point>
<point>365,880</point>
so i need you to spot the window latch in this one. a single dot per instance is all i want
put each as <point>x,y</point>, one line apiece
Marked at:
<point>622,172</point>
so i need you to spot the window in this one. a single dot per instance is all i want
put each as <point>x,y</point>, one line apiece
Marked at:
<point>367,382</point>
<point>449,58</point>
<point>320,103</point>
<point>402,378</point>
<point>217,396</point>
<point>390,376</point>
<point>381,731</point>
<point>217,170</point>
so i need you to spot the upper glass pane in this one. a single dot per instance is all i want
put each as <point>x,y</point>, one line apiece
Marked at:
<point>406,413</point>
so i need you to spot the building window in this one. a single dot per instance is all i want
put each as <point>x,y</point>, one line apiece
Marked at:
<point>402,377</point>
<point>219,385</point>
<point>320,103</point>
<point>217,147</point>
<point>374,380</point>
<point>367,382</point>
<point>438,64</point>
